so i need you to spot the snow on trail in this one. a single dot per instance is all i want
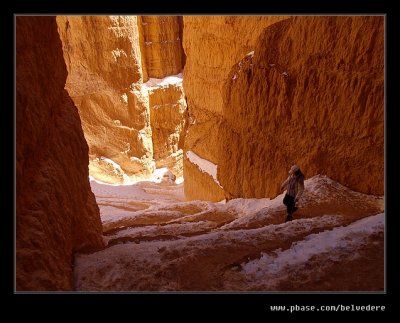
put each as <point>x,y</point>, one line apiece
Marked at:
<point>124,202</point>
<point>157,241</point>
<point>271,268</point>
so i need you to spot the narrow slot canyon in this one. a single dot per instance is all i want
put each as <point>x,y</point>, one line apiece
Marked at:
<point>150,152</point>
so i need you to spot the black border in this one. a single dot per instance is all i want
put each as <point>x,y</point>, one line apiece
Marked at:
<point>206,7</point>
<point>225,305</point>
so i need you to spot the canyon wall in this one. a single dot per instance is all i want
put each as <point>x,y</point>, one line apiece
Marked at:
<point>103,59</point>
<point>108,59</point>
<point>213,45</point>
<point>161,43</point>
<point>56,212</point>
<point>164,59</point>
<point>312,93</point>
<point>168,119</point>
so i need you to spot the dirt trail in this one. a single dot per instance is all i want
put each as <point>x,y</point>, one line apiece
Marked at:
<point>170,244</point>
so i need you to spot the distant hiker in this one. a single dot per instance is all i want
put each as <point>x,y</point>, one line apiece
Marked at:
<point>294,186</point>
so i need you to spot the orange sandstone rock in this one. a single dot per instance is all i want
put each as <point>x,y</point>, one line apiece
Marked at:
<point>56,212</point>
<point>161,43</point>
<point>168,119</point>
<point>213,45</point>
<point>108,60</point>
<point>312,93</point>
<point>103,59</point>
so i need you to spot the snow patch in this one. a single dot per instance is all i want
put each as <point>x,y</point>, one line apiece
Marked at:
<point>110,161</point>
<point>179,180</point>
<point>330,241</point>
<point>153,83</point>
<point>124,98</point>
<point>116,53</point>
<point>159,175</point>
<point>204,165</point>
<point>247,206</point>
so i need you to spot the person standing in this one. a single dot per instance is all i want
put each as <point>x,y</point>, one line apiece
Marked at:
<point>294,186</point>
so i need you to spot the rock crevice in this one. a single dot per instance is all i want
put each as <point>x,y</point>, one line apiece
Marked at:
<point>109,60</point>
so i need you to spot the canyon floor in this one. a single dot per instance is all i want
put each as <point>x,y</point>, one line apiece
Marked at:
<point>157,241</point>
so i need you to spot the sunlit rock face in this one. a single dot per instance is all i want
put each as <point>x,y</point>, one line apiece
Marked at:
<point>161,43</point>
<point>103,59</point>
<point>163,60</point>
<point>109,58</point>
<point>168,119</point>
<point>306,90</point>
<point>56,212</point>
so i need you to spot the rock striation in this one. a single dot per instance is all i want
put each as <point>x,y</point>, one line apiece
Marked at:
<point>161,43</point>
